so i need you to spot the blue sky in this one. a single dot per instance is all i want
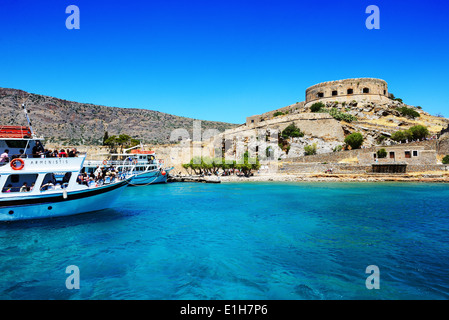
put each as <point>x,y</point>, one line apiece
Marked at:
<point>222,60</point>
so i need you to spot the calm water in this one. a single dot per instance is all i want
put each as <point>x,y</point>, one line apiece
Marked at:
<point>239,241</point>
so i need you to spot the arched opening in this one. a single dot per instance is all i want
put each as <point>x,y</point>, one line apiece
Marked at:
<point>365,90</point>
<point>320,95</point>
<point>334,93</point>
<point>350,91</point>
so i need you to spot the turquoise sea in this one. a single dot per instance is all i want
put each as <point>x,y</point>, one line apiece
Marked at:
<point>239,241</point>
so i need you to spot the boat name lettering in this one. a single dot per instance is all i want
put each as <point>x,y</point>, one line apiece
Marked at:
<point>38,162</point>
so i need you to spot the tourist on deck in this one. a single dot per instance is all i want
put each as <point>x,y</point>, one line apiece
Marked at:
<point>20,155</point>
<point>24,188</point>
<point>4,157</point>
<point>37,150</point>
<point>73,153</point>
<point>55,153</point>
<point>47,153</point>
<point>98,173</point>
<point>62,154</point>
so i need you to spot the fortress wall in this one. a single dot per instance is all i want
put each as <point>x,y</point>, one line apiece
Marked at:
<point>340,168</point>
<point>299,168</point>
<point>269,115</point>
<point>349,89</point>
<point>320,125</point>
<point>332,157</point>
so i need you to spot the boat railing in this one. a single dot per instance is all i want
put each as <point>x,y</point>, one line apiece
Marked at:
<point>32,156</point>
<point>134,162</point>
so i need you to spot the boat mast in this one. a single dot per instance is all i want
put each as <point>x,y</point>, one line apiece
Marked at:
<point>28,119</point>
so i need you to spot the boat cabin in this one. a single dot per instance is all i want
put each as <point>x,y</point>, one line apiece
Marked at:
<point>18,141</point>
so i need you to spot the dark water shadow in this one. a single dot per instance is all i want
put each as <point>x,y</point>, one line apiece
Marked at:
<point>106,215</point>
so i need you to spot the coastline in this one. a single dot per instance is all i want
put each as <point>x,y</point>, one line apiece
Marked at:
<point>434,177</point>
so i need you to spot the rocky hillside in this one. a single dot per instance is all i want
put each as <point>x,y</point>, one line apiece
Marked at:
<point>74,123</point>
<point>375,119</point>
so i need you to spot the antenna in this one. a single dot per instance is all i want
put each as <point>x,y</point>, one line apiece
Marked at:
<point>28,120</point>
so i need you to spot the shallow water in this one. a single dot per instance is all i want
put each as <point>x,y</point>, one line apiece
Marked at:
<point>239,241</point>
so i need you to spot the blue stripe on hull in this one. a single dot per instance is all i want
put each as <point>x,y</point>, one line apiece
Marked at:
<point>69,206</point>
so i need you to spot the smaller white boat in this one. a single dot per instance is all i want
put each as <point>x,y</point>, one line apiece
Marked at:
<point>140,165</point>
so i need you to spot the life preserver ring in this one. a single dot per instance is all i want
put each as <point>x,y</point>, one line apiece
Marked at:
<point>14,166</point>
<point>135,161</point>
<point>105,162</point>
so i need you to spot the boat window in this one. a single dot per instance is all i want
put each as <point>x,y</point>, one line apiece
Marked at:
<point>20,183</point>
<point>54,181</point>
<point>20,144</point>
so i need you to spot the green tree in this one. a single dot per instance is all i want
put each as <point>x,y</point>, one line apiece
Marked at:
<point>381,153</point>
<point>355,140</point>
<point>310,149</point>
<point>408,112</point>
<point>338,148</point>
<point>402,136</point>
<point>269,152</point>
<point>316,107</point>
<point>278,113</point>
<point>292,131</point>
<point>105,137</point>
<point>446,159</point>
<point>111,142</point>
<point>341,116</point>
<point>248,164</point>
<point>121,141</point>
<point>419,132</point>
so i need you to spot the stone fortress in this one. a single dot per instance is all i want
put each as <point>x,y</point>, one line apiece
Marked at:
<point>367,99</point>
<point>347,90</point>
<point>320,128</point>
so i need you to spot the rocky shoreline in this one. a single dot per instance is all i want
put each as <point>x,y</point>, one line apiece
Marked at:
<point>416,177</point>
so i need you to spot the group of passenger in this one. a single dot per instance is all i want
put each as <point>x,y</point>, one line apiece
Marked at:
<point>23,188</point>
<point>38,151</point>
<point>99,176</point>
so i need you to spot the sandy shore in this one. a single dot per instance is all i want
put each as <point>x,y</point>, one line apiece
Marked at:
<point>415,177</point>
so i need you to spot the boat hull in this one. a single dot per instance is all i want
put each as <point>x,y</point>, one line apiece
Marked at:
<point>149,177</point>
<point>76,202</point>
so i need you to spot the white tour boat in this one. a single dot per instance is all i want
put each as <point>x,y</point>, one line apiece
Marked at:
<point>33,186</point>
<point>141,166</point>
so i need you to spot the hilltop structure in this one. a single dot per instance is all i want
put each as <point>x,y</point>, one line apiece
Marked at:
<point>348,90</point>
<point>362,105</point>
